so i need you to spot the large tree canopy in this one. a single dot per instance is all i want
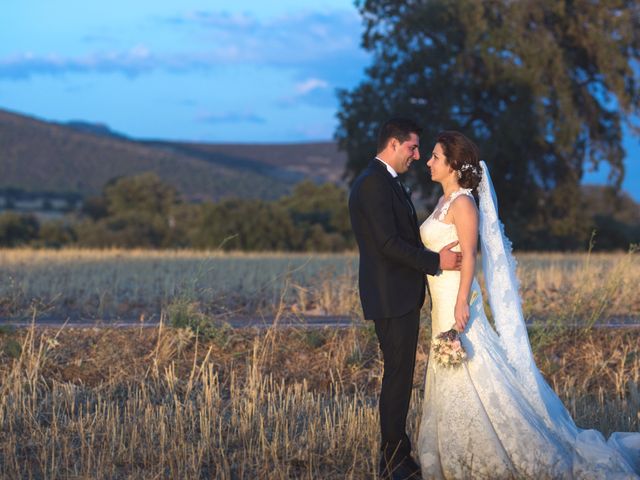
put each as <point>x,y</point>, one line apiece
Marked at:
<point>544,87</point>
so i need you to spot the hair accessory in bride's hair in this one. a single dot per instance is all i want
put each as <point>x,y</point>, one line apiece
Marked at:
<point>468,166</point>
<point>463,168</point>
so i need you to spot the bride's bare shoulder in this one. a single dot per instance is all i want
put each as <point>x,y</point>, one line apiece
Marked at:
<point>464,206</point>
<point>463,201</point>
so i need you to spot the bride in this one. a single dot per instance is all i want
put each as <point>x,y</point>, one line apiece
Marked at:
<point>495,416</point>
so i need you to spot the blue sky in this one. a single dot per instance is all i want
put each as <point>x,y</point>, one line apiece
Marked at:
<point>217,71</point>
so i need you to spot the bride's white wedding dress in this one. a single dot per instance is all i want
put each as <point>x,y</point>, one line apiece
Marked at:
<point>496,417</point>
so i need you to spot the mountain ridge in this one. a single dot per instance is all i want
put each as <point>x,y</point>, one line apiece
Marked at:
<point>80,157</point>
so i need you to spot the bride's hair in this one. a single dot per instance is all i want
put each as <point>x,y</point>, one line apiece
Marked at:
<point>463,156</point>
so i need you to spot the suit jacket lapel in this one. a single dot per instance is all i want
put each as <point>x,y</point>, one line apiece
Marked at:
<point>378,165</point>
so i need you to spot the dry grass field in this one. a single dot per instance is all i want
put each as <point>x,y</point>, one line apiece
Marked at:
<point>119,284</point>
<point>277,403</point>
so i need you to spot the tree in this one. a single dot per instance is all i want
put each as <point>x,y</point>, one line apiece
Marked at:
<point>95,207</point>
<point>55,234</point>
<point>133,212</point>
<point>245,225</point>
<point>126,230</point>
<point>16,229</point>
<point>543,86</point>
<point>616,217</point>
<point>321,213</point>
<point>139,193</point>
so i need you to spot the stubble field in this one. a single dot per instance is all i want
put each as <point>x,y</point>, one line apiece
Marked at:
<point>109,285</point>
<point>194,398</point>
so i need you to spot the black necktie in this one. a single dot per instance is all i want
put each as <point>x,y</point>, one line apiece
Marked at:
<point>407,193</point>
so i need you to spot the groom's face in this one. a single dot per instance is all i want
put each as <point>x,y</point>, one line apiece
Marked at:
<point>406,153</point>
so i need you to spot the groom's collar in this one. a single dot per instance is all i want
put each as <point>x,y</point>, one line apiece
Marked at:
<point>390,169</point>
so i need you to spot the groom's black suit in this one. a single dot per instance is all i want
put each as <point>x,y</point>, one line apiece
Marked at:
<point>393,263</point>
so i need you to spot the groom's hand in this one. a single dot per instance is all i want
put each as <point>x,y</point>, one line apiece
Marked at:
<point>450,260</point>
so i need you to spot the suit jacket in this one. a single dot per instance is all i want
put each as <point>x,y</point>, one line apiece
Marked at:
<point>393,260</point>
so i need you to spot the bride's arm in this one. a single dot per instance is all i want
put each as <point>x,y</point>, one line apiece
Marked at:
<point>465,218</point>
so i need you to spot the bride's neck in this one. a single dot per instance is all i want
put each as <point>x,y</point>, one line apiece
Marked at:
<point>450,186</point>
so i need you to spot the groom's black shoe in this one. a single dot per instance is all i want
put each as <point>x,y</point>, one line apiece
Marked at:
<point>400,469</point>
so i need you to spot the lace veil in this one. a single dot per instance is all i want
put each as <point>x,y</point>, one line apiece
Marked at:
<point>499,269</point>
<point>499,266</point>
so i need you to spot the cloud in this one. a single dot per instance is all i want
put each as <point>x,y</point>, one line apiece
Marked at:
<point>135,61</point>
<point>307,40</point>
<point>309,85</point>
<point>315,91</point>
<point>230,117</point>
<point>310,44</point>
<point>223,20</point>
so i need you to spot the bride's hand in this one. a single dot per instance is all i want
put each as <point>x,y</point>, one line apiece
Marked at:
<point>461,314</point>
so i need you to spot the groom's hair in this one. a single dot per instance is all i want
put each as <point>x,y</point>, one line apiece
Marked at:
<point>399,128</point>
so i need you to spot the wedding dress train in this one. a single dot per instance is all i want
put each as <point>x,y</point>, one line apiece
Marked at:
<point>495,416</point>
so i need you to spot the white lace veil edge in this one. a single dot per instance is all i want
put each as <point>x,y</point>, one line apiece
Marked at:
<point>499,269</point>
<point>621,452</point>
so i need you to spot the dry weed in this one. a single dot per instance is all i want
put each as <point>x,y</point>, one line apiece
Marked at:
<point>162,403</point>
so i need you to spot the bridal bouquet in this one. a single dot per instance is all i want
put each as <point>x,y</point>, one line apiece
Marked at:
<point>447,348</point>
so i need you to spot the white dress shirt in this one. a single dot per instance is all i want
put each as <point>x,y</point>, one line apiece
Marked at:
<point>389,168</point>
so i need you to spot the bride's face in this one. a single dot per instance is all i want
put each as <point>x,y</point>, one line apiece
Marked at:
<point>438,166</point>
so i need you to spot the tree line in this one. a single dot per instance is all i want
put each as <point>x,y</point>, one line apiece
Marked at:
<point>144,212</point>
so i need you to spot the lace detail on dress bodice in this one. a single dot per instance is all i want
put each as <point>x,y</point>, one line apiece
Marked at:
<point>442,210</point>
<point>434,233</point>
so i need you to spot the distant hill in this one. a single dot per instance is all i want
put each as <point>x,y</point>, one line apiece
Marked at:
<point>96,128</point>
<point>321,161</point>
<point>80,157</point>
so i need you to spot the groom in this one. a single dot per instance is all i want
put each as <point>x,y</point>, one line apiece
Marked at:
<point>393,264</point>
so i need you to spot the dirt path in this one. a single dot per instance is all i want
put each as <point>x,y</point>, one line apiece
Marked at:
<point>235,322</point>
<point>288,321</point>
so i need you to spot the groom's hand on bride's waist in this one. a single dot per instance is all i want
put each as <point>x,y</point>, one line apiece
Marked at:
<point>450,260</point>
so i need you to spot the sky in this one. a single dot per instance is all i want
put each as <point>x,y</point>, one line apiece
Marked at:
<point>216,71</point>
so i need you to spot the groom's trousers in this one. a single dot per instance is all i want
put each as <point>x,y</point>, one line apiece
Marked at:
<point>398,339</point>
